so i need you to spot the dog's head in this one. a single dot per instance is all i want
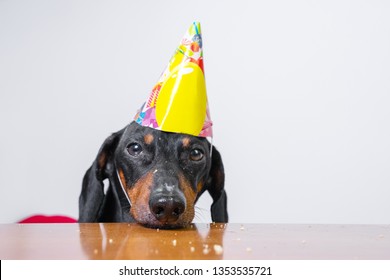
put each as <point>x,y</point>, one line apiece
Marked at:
<point>163,175</point>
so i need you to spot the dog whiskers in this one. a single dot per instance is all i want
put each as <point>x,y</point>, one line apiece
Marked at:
<point>199,214</point>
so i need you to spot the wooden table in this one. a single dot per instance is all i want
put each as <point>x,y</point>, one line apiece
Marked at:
<point>199,241</point>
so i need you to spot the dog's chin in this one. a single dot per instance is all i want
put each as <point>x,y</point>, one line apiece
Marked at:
<point>154,223</point>
<point>147,219</point>
<point>165,225</point>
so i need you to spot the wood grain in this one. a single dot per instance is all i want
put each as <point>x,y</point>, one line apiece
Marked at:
<point>198,241</point>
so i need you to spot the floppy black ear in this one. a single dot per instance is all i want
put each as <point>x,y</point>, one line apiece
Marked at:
<point>215,186</point>
<point>92,193</point>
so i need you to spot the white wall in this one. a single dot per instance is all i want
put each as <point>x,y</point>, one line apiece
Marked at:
<point>299,93</point>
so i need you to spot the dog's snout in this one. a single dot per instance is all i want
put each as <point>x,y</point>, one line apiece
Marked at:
<point>167,203</point>
<point>167,209</point>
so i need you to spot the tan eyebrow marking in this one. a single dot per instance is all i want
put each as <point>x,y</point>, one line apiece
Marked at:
<point>186,142</point>
<point>148,138</point>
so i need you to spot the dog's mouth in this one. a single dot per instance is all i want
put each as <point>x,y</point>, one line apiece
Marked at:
<point>162,202</point>
<point>163,212</point>
<point>150,221</point>
<point>166,225</point>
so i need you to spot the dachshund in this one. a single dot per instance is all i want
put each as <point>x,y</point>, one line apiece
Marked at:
<point>154,179</point>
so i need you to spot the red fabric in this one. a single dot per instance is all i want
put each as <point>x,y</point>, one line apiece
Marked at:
<point>42,219</point>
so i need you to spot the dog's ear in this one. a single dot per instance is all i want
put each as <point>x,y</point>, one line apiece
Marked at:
<point>215,186</point>
<point>92,192</point>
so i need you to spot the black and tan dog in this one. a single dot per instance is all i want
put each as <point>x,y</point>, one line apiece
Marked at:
<point>155,179</point>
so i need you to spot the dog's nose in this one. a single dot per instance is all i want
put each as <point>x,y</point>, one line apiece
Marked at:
<point>167,209</point>
<point>167,201</point>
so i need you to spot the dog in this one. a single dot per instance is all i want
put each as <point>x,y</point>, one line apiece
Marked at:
<point>155,178</point>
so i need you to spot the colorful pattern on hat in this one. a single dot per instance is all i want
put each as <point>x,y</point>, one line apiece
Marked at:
<point>178,102</point>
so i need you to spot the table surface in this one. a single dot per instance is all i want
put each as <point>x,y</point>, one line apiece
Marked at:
<point>198,241</point>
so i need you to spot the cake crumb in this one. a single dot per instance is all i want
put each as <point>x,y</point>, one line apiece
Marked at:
<point>158,230</point>
<point>206,251</point>
<point>96,251</point>
<point>218,249</point>
<point>110,241</point>
<point>174,242</point>
<point>192,249</point>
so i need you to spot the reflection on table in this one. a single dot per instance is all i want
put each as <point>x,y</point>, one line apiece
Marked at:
<point>198,241</point>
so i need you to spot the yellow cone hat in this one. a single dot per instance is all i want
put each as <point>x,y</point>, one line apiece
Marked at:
<point>178,102</point>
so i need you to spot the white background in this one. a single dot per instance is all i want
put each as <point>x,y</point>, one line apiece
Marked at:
<point>280,270</point>
<point>299,93</point>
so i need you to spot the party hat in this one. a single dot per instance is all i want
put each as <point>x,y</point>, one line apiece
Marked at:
<point>178,102</point>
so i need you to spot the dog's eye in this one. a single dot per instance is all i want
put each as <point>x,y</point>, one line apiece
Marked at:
<point>134,149</point>
<point>196,154</point>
